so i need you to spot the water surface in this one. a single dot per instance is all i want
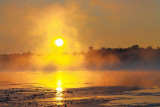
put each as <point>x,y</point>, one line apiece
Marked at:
<point>79,88</point>
<point>75,79</point>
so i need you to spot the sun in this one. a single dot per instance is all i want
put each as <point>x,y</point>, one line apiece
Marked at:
<point>59,42</point>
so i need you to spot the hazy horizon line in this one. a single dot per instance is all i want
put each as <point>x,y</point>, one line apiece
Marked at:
<point>82,51</point>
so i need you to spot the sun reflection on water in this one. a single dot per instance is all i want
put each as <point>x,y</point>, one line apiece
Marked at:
<point>59,90</point>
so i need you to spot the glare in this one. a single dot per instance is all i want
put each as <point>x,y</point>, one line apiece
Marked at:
<point>59,42</point>
<point>59,89</point>
<point>59,83</point>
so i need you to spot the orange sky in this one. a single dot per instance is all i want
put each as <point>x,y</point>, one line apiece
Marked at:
<point>34,25</point>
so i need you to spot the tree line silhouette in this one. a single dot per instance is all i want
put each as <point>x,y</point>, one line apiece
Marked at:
<point>131,58</point>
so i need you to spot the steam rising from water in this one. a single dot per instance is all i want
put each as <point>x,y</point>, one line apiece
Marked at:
<point>83,69</point>
<point>139,59</point>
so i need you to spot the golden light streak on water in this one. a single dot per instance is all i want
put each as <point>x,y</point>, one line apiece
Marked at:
<point>59,94</point>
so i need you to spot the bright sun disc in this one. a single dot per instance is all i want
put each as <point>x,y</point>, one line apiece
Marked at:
<point>59,42</point>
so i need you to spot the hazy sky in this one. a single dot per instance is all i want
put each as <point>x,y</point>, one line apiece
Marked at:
<point>33,25</point>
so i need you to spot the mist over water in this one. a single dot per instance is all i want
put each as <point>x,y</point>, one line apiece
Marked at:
<point>45,60</point>
<point>104,59</point>
<point>135,67</point>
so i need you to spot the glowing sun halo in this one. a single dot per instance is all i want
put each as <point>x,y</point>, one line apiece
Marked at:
<point>59,42</point>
